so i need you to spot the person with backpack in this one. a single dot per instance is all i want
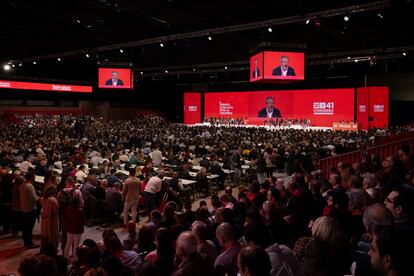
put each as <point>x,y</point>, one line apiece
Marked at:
<point>64,197</point>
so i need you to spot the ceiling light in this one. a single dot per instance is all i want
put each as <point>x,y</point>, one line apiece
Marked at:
<point>210,38</point>
<point>349,57</point>
<point>166,71</point>
<point>77,20</point>
<point>142,73</point>
<point>161,45</point>
<point>404,54</point>
<point>6,67</point>
<point>225,68</point>
<point>87,55</point>
<point>34,62</point>
<point>59,59</point>
<point>380,15</point>
<point>269,30</point>
<point>346,18</point>
<point>307,21</point>
<point>13,65</point>
<point>194,69</point>
<point>120,50</point>
<point>356,60</point>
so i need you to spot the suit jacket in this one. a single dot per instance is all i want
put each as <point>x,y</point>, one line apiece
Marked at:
<point>278,71</point>
<point>275,114</point>
<point>119,83</point>
<point>195,265</point>
<point>256,73</point>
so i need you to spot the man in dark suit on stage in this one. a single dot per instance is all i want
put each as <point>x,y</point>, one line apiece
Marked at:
<point>256,70</point>
<point>284,69</point>
<point>269,111</point>
<point>114,81</point>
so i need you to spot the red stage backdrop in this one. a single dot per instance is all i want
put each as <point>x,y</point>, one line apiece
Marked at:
<point>226,105</point>
<point>125,78</point>
<point>192,108</point>
<point>322,107</point>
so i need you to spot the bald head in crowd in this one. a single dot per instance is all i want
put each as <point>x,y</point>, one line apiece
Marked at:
<point>200,230</point>
<point>377,215</point>
<point>225,233</point>
<point>186,244</point>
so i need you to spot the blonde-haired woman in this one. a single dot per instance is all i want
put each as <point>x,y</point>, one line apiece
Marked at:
<point>326,252</point>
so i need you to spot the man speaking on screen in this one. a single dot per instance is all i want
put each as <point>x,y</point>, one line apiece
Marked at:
<point>269,111</point>
<point>114,81</point>
<point>284,69</point>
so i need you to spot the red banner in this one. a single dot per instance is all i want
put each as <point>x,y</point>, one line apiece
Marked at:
<point>45,86</point>
<point>378,107</point>
<point>362,107</point>
<point>192,108</point>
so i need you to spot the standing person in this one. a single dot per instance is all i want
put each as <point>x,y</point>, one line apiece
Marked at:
<point>153,186</point>
<point>16,209</point>
<point>235,164</point>
<point>28,206</point>
<point>74,221</point>
<point>130,195</point>
<point>268,157</point>
<point>64,196</point>
<point>50,218</point>
<point>156,156</point>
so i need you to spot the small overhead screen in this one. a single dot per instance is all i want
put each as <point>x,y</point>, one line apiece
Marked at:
<point>277,66</point>
<point>115,78</point>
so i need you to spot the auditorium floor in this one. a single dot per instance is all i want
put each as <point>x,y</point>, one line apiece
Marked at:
<point>12,250</point>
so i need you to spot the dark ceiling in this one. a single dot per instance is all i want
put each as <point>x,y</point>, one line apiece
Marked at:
<point>41,27</point>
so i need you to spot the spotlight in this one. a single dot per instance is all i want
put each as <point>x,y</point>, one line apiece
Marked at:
<point>6,67</point>
<point>166,71</point>
<point>210,38</point>
<point>225,68</point>
<point>194,69</point>
<point>20,64</point>
<point>87,55</point>
<point>34,62</point>
<point>269,30</point>
<point>307,21</point>
<point>349,57</point>
<point>13,65</point>
<point>161,45</point>
<point>120,50</point>
<point>142,73</point>
<point>77,20</point>
<point>380,15</point>
<point>346,18</point>
<point>404,54</point>
<point>356,60</point>
<point>59,59</point>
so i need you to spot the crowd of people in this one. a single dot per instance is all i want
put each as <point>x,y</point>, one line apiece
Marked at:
<point>286,122</point>
<point>215,121</point>
<point>359,220</point>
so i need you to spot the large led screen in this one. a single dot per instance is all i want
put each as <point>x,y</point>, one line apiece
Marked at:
<point>115,78</point>
<point>24,85</point>
<point>277,66</point>
<point>322,106</point>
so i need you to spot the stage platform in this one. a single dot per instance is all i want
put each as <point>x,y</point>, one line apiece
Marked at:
<point>267,127</point>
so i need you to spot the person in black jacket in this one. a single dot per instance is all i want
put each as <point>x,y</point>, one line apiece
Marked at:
<point>284,69</point>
